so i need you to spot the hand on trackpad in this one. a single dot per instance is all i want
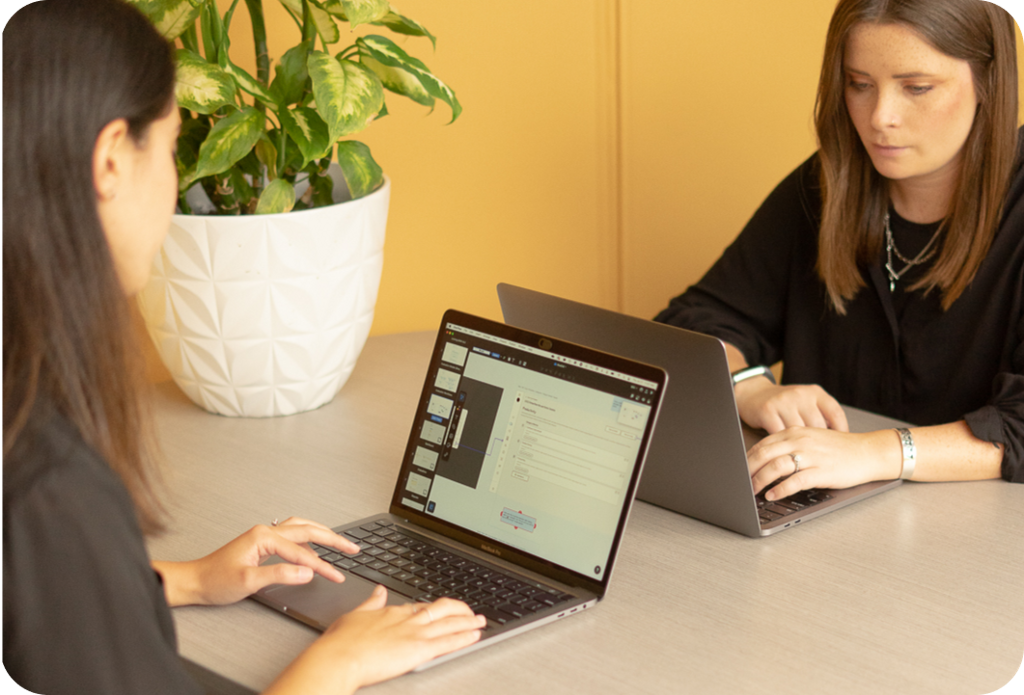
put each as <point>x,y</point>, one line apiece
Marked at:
<point>324,601</point>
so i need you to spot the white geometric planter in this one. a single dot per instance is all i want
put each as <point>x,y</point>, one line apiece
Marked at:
<point>265,315</point>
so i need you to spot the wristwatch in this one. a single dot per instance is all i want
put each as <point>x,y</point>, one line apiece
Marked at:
<point>750,372</point>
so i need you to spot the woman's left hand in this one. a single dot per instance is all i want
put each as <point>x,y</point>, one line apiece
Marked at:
<point>822,458</point>
<point>235,570</point>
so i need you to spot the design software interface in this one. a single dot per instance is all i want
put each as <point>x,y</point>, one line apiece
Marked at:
<point>527,447</point>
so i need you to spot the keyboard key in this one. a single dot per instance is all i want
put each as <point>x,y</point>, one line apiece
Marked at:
<point>346,563</point>
<point>496,615</point>
<point>391,583</point>
<point>512,609</point>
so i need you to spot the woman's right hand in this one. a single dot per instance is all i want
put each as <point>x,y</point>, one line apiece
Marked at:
<point>376,642</point>
<point>764,405</point>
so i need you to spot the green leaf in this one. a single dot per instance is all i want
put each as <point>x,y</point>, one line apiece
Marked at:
<point>348,95</point>
<point>215,41</point>
<point>362,174</point>
<point>308,130</point>
<point>250,165</point>
<point>186,176</point>
<point>385,51</point>
<point>326,27</point>
<point>278,196</point>
<point>291,75</point>
<point>403,25</point>
<point>202,86</point>
<point>229,140</point>
<point>266,153</point>
<point>250,84</point>
<point>193,133</point>
<point>399,81</point>
<point>170,17</point>
<point>364,11</point>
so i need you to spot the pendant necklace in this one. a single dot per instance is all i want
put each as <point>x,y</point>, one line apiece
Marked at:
<point>890,249</point>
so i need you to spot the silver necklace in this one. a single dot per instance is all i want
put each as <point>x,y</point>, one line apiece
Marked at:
<point>890,249</point>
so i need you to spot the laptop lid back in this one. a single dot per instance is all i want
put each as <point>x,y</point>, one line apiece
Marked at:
<point>700,426</point>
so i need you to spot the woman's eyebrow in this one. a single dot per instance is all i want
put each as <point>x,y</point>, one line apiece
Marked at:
<point>901,76</point>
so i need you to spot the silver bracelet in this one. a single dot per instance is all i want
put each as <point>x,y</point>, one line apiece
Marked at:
<point>909,452</point>
<point>750,372</point>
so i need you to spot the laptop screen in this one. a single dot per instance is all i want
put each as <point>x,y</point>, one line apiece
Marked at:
<point>527,444</point>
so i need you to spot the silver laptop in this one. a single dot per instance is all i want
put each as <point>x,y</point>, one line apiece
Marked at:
<point>515,487</point>
<point>697,465</point>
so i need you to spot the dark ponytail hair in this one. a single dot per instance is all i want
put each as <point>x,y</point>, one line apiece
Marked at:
<point>70,68</point>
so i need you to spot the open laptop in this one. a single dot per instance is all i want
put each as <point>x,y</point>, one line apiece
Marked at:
<point>697,465</point>
<point>515,486</point>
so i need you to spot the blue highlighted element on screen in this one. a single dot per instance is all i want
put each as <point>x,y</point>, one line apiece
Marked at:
<point>518,520</point>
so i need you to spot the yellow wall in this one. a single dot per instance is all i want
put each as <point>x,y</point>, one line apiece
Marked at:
<point>609,149</point>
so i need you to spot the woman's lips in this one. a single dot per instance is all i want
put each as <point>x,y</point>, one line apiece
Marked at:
<point>888,150</point>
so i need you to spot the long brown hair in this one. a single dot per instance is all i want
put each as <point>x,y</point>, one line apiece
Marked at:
<point>855,195</point>
<point>70,68</point>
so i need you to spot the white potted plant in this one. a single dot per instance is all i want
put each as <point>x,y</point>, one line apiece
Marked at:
<point>263,293</point>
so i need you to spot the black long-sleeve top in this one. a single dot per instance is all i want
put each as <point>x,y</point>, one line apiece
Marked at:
<point>83,611</point>
<point>895,353</point>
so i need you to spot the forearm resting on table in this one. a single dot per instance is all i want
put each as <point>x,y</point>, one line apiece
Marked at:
<point>944,452</point>
<point>952,452</point>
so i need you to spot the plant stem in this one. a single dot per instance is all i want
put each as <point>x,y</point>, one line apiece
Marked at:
<point>259,36</point>
<point>281,145</point>
<point>308,27</point>
<point>190,39</point>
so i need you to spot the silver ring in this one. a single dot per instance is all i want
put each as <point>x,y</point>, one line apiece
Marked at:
<point>796,462</point>
<point>429,614</point>
<point>274,522</point>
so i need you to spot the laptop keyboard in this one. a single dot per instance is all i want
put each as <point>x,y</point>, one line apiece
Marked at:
<point>770,511</point>
<point>414,567</point>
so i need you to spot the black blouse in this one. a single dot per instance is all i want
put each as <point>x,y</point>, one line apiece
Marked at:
<point>83,611</point>
<point>898,354</point>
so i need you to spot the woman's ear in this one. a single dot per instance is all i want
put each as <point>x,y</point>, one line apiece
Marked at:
<point>109,165</point>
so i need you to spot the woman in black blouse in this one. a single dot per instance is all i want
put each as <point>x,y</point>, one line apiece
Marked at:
<point>90,127</point>
<point>887,272</point>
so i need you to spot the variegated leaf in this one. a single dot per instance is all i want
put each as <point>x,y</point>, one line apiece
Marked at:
<point>385,51</point>
<point>348,95</point>
<point>364,11</point>
<point>403,25</point>
<point>229,140</point>
<point>278,196</point>
<point>170,17</point>
<point>399,81</point>
<point>201,86</point>
<point>325,24</point>
<point>250,84</point>
<point>362,174</point>
<point>305,127</point>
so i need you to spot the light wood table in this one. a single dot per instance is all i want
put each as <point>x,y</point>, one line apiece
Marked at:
<point>918,590</point>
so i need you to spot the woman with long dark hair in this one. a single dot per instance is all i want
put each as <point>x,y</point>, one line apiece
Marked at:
<point>89,132</point>
<point>887,271</point>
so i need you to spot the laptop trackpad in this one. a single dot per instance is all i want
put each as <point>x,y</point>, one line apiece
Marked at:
<point>322,601</point>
